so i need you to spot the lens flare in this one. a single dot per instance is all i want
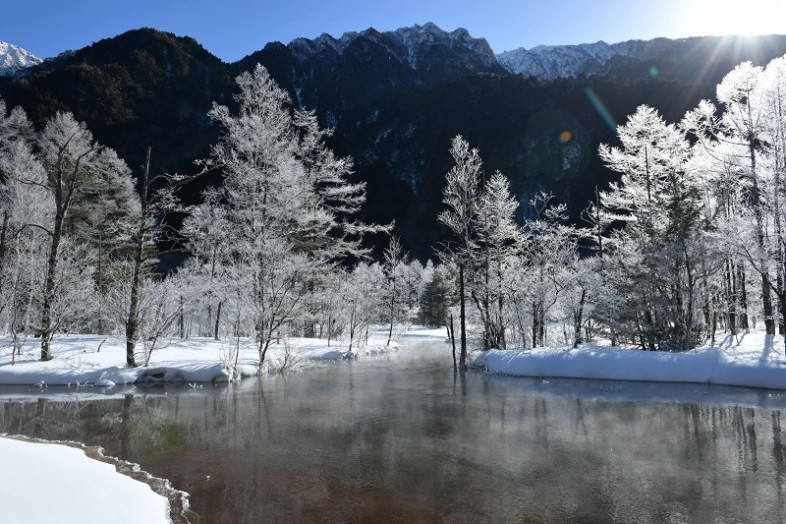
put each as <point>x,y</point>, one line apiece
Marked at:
<point>565,137</point>
<point>604,113</point>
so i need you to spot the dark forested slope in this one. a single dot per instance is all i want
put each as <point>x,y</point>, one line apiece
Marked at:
<point>395,100</point>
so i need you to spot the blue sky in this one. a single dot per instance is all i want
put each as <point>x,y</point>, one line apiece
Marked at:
<point>232,29</point>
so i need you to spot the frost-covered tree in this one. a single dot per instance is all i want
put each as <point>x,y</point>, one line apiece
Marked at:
<point>72,172</point>
<point>774,98</point>
<point>485,236</point>
<point>394,267</point>
<point>461,196</point>
<point>287,202</point>
<point>155,200</point>
<point>210,239</point>
<point>361,302</point>
<point>435,299</point>
<point>548,245</point>
<point>497,239</point>
<point>24,215</point>
<point>737,138</point>
<point>659,200</point>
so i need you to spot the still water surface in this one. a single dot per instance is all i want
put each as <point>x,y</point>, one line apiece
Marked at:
<point>400,438</point>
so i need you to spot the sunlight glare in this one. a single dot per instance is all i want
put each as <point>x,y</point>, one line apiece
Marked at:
<point>737,17</point>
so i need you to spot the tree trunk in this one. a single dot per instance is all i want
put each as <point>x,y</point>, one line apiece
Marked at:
<point>49,291</point>
<point>264,345</point>
<point>132,322</point>
<point>782,305</point>
<point>731,296</point>
<point>3,234</point>
<point>351,326</point>
<point>182,319</point>
<point>743,295</point>
<point>392,307</point>
<point>452,334</point>
<point>218,321</point>
<point>578,320</point>
<point>463,320</point>
<point>766,298</point>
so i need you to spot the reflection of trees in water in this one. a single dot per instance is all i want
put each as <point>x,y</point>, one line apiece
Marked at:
<point>778,454</point>
<point>129,427</point>
<point>461,449</point>
<point>57,420</point>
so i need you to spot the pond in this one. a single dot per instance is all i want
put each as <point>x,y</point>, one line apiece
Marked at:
<point>401,438</point>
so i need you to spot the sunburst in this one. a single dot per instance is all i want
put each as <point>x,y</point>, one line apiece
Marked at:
<point>737,17</point>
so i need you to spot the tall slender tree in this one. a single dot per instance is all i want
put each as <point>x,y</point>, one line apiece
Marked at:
<point>461,196</point>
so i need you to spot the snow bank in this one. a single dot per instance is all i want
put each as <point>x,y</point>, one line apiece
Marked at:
<point>330,355</point>
<point>76,488</point>
<point>78,362</point>
<point>754,360</point>
<point>99,361</point>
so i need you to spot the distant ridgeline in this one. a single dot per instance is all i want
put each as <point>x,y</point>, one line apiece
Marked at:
<point>395,100</point>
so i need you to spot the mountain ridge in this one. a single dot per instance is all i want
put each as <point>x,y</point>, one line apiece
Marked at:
<point>394,101</point>
<point>13,58</point>
<point>550,62</point>
<point>408,45</point>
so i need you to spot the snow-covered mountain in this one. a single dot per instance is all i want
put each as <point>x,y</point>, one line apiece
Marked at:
<point>14,58</point>
<point>368,66</point>
<point>570,61</point>
<point>408,45</point>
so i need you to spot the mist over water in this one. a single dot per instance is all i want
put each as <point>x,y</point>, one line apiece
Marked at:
<point>400,438</point>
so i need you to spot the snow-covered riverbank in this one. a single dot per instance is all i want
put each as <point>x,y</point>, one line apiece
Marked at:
<point>753,360</point>
<point>45,482</point>
<point>100,361</point>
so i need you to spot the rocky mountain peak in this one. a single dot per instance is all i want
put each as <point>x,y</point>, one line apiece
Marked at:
<point>14,58</point>
<point>599,58</point>
<point>408,44</point>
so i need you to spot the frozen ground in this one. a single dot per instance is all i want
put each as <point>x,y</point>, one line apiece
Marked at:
<point>53,483</point>
<point>753,360</point>
<point>91,360</point>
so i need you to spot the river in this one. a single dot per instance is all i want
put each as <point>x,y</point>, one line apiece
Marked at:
<point>401,438</point>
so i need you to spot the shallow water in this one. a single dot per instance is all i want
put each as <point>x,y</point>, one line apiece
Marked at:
<point>400,438</point>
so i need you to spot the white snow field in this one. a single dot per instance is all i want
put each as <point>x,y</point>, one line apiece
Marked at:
<point>92,360</point>
<point>53,483</point>
<point>752,360</point>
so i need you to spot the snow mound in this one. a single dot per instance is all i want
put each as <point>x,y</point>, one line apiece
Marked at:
<point>330,355</point>
<point>177,372</point>
<point>754,360</point>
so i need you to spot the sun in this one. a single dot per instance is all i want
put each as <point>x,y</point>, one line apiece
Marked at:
<point>737,17</point>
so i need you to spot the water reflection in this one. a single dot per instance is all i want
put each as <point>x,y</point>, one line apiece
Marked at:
<point>410,441</point>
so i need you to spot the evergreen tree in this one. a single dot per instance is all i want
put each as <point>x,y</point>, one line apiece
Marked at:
<point>659,200</point>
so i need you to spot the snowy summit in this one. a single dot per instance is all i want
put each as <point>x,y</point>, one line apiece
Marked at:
<point>408,44</point>
<point>569,61</point>
<point>14,58</point>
